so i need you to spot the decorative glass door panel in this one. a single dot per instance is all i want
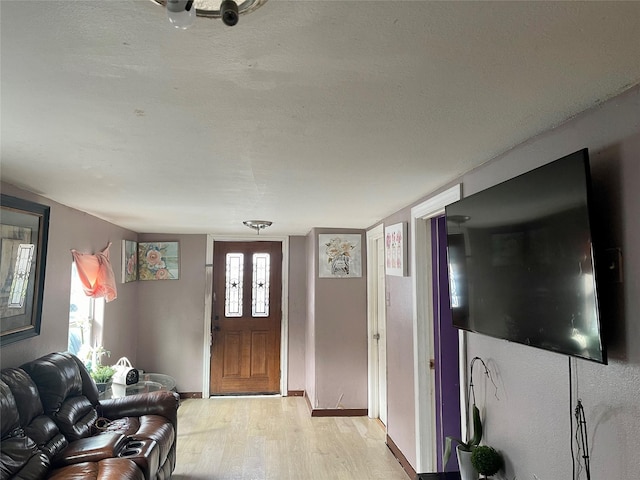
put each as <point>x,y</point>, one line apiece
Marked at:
<point>233,285</point>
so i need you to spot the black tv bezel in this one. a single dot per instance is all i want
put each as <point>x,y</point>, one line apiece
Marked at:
<point>593,222</point>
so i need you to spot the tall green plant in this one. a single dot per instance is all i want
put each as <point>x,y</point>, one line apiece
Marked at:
<point>473,441</point>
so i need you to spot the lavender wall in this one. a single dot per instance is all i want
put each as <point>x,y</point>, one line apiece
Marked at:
<point>69,228</point>
<point>171,316</point>
<point>340,335</point>
<point>400,378</point>
<point>530,420</point>
<point>310,334</point>
<point>297,311</point>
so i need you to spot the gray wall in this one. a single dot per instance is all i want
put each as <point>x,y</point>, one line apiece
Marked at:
<point>68,229</point>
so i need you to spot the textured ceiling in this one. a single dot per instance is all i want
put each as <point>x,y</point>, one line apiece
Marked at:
<point>307,113</point>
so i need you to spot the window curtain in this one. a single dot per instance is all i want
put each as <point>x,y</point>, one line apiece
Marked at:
<point>96,274</point>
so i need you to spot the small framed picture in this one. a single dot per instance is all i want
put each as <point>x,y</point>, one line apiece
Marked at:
<point>129,261</point>
<point>395,249</point>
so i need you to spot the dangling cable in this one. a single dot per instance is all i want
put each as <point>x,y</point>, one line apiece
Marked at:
<point>581,437</point>
<point>573,456</point>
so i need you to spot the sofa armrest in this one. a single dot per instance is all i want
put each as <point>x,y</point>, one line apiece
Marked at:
<point>163,403</point>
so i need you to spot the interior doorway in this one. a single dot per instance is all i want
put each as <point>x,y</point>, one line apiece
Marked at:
<point>376,320</point>
<point>246,318</point>
<point>422,266</point>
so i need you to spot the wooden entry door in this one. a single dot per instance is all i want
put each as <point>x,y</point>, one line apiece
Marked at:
<point>247,293</point>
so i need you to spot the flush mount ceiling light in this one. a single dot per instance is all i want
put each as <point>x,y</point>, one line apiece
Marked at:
<point>182,13</point>
<point>257,224</point>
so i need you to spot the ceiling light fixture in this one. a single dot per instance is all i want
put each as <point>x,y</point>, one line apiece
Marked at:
<point>182,13</point>
<point>257,224</point>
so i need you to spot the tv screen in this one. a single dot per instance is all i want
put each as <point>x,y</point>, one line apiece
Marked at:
<point>521,264</point>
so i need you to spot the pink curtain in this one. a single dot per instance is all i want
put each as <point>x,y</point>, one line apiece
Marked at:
<point>96,274</point>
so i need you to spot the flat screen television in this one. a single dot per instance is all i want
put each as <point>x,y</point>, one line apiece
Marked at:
<point>521,261</point>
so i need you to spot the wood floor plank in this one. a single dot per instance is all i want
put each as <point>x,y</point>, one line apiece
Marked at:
<point>275,438</point>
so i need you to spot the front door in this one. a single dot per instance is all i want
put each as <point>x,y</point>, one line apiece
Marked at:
<point>247,289</point>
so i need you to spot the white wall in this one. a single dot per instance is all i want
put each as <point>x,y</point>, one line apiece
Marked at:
<point>530,420</point>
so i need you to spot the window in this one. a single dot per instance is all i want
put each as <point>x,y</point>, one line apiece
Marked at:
<point>234,278</point>
<point>260,290</point>
<point>84,312</point>
<point>233,287</point>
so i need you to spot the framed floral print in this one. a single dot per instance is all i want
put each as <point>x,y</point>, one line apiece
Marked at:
<point>158,261</point>
<point>129,261</point>
<point>340,255</point>
<point>395,249</point>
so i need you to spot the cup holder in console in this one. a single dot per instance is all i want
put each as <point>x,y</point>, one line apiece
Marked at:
<point>144,453</point>
<point>130,452</point>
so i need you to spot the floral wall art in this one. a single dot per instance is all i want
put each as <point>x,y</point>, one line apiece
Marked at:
<point>340,255</point>
<point>395,249</point>
<point>129,261</point>
<point>158,261</point>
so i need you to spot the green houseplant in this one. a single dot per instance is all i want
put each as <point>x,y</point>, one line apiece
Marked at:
<point>464,449</point>
<point>472,442</point>
<point>486,460</point>
<point>102,373</point>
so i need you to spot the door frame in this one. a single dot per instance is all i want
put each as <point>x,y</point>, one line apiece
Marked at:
<point>208,307</point>
<point>373,317</point>
<point>423,314</point>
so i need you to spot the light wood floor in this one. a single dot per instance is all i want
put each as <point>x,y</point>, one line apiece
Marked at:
<point>276,438</point>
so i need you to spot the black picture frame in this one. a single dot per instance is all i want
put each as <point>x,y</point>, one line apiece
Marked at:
<point>24,234</point>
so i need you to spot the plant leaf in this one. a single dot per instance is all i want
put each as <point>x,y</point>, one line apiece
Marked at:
<point>447,451</point>
<point>477,428</point>
<point>448,442</point>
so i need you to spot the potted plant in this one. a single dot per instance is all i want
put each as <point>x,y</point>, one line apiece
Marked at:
<point>102,374</point>
<point>464,449</point>
<point>486,460</point>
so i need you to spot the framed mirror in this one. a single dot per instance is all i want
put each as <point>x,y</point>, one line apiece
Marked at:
<point>24,229</point>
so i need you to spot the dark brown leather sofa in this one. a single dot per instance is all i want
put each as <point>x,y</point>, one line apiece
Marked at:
<point>55,427</point>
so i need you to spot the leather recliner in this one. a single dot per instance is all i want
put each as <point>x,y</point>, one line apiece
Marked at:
<point>54,426</point>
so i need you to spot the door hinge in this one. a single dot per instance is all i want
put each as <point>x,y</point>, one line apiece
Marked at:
<point>376,336</point>
<point>432,364</point>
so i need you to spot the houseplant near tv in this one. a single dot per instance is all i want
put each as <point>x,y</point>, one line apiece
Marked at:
<point>464,449</point>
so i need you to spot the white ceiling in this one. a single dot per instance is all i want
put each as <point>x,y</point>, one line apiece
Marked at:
<point>307,113</point>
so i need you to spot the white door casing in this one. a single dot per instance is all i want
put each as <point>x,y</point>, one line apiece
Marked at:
<point>208,309</point>
<point>376,325</point>
<point>424,379</point>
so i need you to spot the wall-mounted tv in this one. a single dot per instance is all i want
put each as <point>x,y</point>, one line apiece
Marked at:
<point>521,260</point>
